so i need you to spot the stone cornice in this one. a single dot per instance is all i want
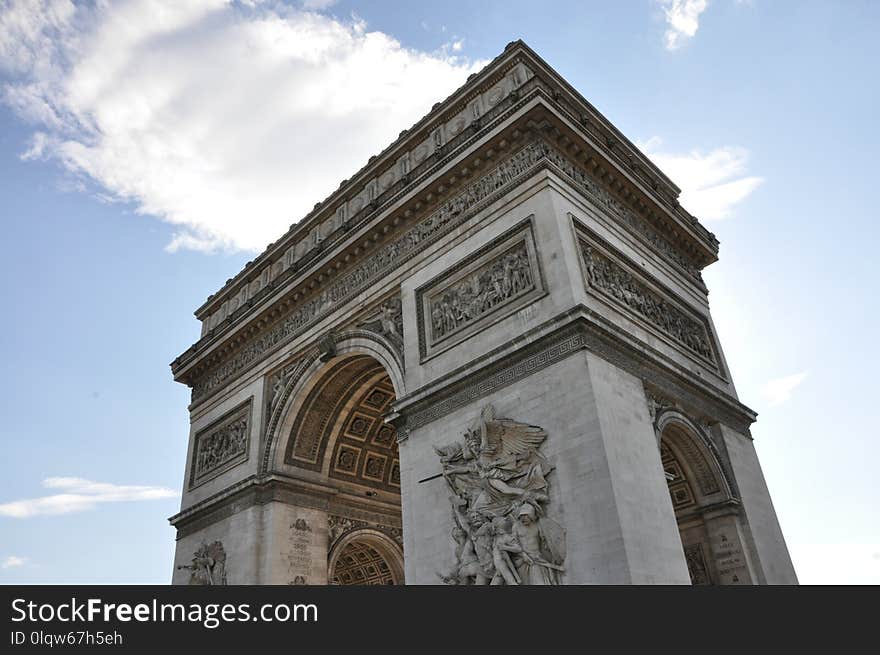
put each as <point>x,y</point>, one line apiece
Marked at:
<point>514,74</point>
<point>428,184</point>
<point>473,193</point>
<point>259,490</point>
<point>378,165</point>
<point>577,330</point>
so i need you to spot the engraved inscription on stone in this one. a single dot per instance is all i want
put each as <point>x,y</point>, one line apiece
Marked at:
<point>729,560</point>
<point>299,552</point>
<point>222,444</point>
<point>614,281</point>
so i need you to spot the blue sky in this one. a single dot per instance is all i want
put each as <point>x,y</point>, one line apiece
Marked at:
<point>148,149</point>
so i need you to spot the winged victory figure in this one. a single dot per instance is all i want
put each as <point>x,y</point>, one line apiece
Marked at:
<point>493,473</point>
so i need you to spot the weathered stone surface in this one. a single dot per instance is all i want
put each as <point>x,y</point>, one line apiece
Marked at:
<point>487,359</point>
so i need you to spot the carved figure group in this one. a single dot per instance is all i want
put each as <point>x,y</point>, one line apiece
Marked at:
<point>508,276</point>
<point>498,481</point>
<point>606,276</point>
<point>221,445</point>
<point>387,319</point>
<point>208,565</point>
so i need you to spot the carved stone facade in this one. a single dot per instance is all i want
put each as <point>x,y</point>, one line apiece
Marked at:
<point>497,328</point>
<point>341,526</point>
<point>438,223</point>
<point>222,445</point>
<point>208,566</point>
<point>499,279</point>
<point>614,281</point>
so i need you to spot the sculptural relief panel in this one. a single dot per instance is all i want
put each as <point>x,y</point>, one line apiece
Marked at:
<point>605,273</point>
<point>208,565</point>
<point>499,487</point>
<point>221,445</point>
<point>487,286</point>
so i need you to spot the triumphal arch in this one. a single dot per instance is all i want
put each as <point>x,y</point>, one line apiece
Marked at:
<point>486,358</point>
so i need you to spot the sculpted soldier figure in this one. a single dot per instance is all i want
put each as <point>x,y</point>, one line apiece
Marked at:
<point>543,547</point>
<point>496,475</point>
<point>208,565</point>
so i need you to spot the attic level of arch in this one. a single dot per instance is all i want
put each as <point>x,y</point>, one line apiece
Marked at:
<point>514,73</point>
<point>561,148</point>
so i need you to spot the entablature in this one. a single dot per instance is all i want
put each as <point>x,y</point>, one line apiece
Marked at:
<point>525,128</point>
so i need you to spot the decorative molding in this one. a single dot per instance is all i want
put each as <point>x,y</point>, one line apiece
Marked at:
<point>222,445</point>
<point>463,122</point>
<point>281,383</point>
<point>696,564</point>
<point>471,198</point>
<point>341,526</point>
<point>485,287</point>
<point>694,443</point>
<point>576,330</point>
<point>486,382</point>
<point>310,433</point>
<point>387,320</point>
<point>629,219</point>
<point>255,490</point>
<point>449,215</point>
<point>644,297</point>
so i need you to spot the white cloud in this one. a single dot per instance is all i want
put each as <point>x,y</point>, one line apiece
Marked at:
<point>78,495</point>
<point>318,4</point>
<point>837,564</point>
<point>228,120</point>
<point>712,183</point>
<point>12,561</point>
<point>683,20</point>
<point>779,390</point>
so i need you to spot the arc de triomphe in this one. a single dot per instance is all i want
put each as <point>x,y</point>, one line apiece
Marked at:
<point>488,357</point>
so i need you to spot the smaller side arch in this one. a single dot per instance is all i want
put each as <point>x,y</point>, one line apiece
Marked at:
<point>372,539</point>
<point>694,450</point>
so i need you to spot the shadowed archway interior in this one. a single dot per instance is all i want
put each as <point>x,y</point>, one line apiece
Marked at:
<point>361,564</point>
<point>340,432</point>
<point>694,487</point>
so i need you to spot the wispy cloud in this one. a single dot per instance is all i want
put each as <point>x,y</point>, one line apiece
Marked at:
<point>77,495</point>
<point>682,20</point>
<point>779,390</point>
<point>228,120</point>
<point>12,561</point>
<point>712,183</point>
<point>318,4</point>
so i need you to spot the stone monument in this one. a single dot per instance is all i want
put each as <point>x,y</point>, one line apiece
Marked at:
<point>486,358</point>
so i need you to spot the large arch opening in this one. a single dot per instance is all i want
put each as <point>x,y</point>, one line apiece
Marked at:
<point>338,436</point>
<point>699,495</point>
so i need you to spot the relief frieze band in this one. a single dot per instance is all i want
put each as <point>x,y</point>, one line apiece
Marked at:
<point>625,288</point>
<point>441,221</point>
<point>221,445</point>
<point>610,205</point>
<point>485,287</point>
